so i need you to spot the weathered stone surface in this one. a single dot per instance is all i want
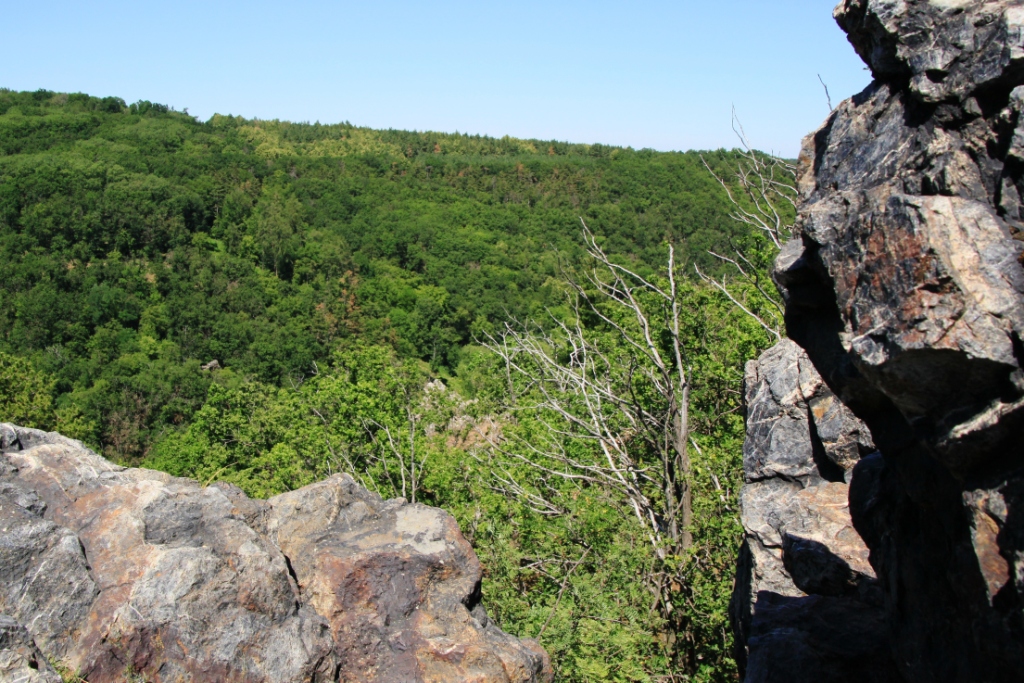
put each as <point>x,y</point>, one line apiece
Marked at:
<point>20,659</point>
<point>801,552</point>
<point>110,569</point>
<point>398,584</point>
<point>946,48</point>
<point>796,430</point>
<point>905,287</point>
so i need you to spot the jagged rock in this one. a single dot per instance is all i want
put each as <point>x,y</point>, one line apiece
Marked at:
<point>113,569</point>
<point>796,429</point>
<point>410,598</point>
<point>801,553</point>
<point>946,48</point>
<point>20,659</point>
<point>905,287</point>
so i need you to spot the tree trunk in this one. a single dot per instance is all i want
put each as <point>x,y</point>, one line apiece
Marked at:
<point>682,469</point>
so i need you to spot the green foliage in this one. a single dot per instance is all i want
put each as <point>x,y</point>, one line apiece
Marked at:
<point>27,397</point>
<point>137,243</point>
<point>595,525</point>
<point>27,400</point>
<point>570,574</point>
<point>365,414</point>
<point>335,272</point>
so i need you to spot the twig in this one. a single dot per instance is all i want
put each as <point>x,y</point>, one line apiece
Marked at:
<point>561,592</point>
<point>827,96</point>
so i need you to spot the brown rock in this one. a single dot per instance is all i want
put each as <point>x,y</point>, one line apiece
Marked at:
<point>905,287</point>
<point>113,569</point>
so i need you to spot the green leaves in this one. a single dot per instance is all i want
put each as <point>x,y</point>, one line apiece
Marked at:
<point>368,414</point>
<point>27,395</point>
<point>26,399</point>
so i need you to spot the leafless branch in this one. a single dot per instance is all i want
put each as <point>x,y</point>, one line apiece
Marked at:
<point>762,186</point>
<point>724,289</point>
<point>586,390</point>
<point>828,98</point>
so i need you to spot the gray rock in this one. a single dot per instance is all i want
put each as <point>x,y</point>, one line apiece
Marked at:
<point>112,568</point>
<point>946,48</point>
<point>904,285</point>
<point>799,540</point>
<point>20,659</point>
<point>796,429</point>
<point>46,580</point>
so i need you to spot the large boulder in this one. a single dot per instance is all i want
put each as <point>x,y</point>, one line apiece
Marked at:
<point>111,570</point>
<point>904,285</point>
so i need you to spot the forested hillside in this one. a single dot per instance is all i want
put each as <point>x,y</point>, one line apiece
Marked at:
<point>343,279</point>
<point>137,233</point>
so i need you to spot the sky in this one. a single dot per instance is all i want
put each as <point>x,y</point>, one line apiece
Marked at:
<point>658,74</point>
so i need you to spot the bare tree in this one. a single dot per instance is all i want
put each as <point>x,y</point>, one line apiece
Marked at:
<point>763,197</point>
<point>406,443</point>
<point>624,389</point>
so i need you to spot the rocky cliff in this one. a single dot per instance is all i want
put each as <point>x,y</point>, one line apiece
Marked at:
<point>904,288</point>
<point>807,606</point>
<point>110,570</point>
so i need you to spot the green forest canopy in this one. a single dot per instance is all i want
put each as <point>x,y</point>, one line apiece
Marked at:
<point>137,244</point>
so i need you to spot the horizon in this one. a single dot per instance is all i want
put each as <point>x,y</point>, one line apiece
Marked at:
<point>657,76</point>
<point>422,131</point>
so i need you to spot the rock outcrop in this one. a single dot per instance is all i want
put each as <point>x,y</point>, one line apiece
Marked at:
<point>807,606</point>
<point>904,285</point>
<point>109,570</point>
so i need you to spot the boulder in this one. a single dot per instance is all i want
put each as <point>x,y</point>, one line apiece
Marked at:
<point>113,570</point>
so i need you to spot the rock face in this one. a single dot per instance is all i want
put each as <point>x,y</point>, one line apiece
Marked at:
<point>807,606</point>
<point>20,659</point>
<point>904,285</point>
<point>112,570</point>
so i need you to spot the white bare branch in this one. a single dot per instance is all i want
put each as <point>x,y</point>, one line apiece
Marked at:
<point>763,185</point>
<point>629,399</point>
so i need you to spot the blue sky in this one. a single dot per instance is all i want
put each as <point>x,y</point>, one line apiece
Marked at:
<point>647,74</point>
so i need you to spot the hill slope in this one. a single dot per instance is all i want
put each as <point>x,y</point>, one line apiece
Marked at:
<point>137,243</point>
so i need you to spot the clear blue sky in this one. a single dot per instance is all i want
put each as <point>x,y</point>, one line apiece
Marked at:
<point>645,73</point>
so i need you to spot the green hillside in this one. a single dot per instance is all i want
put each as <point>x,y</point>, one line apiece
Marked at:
<point>336,274</point>
<point>138,231</point>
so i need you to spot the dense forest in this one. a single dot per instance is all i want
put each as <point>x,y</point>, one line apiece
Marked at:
<point>269,302</point>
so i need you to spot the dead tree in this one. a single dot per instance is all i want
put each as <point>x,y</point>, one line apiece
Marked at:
<point>621,384</point>
<point>763,197</point>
